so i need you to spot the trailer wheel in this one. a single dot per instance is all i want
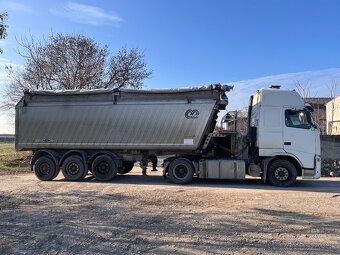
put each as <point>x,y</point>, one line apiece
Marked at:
<point>281,173</point>
<point>45,168</point>
<point>73,168</point>
<point>104,168</point>
<point>56,172</point>
<point>181,171</point>
<point>127,167</point>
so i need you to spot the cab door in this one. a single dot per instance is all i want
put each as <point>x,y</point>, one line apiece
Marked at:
<point>299,136</point>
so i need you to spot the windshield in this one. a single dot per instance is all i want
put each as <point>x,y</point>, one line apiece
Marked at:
<point>298,119</point>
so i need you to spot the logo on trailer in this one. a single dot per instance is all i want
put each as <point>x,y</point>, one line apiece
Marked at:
<point>192,114</point>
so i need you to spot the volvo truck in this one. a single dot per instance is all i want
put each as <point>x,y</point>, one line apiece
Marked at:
<point>106,131</point>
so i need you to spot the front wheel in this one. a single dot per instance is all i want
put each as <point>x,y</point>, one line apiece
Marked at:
<point>181,171</point>
<point>281,173</point>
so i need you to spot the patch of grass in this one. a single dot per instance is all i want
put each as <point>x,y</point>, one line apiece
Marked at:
<point>12,161</point>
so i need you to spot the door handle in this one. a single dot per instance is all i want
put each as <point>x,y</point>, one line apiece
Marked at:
<point>287,143</point>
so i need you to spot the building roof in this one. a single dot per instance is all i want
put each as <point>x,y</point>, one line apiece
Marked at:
<point>317,102</point>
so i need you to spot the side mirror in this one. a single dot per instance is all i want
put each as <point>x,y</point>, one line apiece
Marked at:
<point>309,108</point>
<point>314,126</point>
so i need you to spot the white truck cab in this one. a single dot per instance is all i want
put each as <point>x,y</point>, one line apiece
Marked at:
<point>285,135</point>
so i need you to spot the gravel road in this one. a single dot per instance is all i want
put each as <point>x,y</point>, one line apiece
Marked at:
<point>148,215</point>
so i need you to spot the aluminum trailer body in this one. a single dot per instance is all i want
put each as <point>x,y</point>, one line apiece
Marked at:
<point>159,120</point>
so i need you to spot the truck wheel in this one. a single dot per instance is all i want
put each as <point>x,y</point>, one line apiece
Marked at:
<point>181,171</point>
<point>56,173</point>
<point>104,168</point>
<point>73,168</point>
<point>282,173</point>
<point>127,167</point>
<point>45,168</point>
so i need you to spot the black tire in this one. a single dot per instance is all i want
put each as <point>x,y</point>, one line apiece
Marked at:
<point>281,173</point>
<point>181,171</point>
<point>45,168</point>
<point>56,173</point>
<point>73,168</point>
<point>127,167</point>
<point>104,168</point>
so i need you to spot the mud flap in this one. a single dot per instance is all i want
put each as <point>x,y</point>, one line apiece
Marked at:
<point>264,167</point>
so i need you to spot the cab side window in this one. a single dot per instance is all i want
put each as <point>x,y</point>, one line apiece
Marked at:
<point>297,119</point>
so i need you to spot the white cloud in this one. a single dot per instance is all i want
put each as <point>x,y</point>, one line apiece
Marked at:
<point>87,14</point>
<point>6,122</point>
<point>3,73</point>
<point>4,79</point>
<point>318,82</point>
<point>15,6</point>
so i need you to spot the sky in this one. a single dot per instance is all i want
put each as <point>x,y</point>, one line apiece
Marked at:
<point>191,43</point>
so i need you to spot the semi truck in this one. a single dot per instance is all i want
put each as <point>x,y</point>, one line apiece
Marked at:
<point>106,131</point>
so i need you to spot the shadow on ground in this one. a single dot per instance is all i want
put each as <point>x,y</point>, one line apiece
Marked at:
<point>92,223</point>
<point>329,186</point>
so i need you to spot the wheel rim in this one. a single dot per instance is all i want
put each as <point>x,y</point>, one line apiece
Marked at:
<point>181,171</point>
<point>73,168</point>
<point>103,167</point>
<point>44,169</point>
<point>281,173</point>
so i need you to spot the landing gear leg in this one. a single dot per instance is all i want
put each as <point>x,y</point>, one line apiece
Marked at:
<point>154,162</point>
<point>144,166</point>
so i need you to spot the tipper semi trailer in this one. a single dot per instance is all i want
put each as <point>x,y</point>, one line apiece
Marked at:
<point>105,131</point>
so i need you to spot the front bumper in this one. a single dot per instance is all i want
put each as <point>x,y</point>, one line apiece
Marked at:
<point>313,173</point>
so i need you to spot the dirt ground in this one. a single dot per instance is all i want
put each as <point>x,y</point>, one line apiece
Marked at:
<point>148,215</point>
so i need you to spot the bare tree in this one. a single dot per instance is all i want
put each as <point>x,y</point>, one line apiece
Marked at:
<point>303,89</point>
<point>3,27</point>
<point>62,62</point>
<point>127,69</point>
<point>318,114</point>
<point>74,62</point>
